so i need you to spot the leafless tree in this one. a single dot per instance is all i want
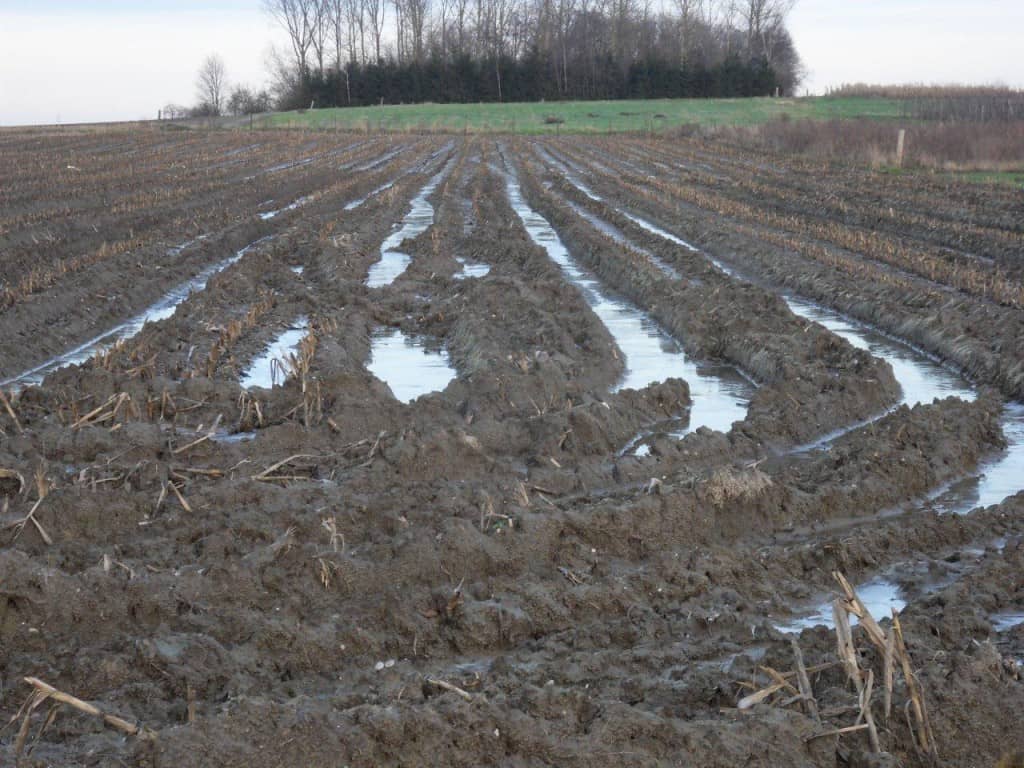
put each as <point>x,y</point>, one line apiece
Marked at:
<point>764,21</point>
<point>211,83</point>
<point>298,19</point>
<point>401,31</point>
<point>321,33</point>
<point>174,112</point>
<point>351,14</point>
<point>375,11</point>
<point>416,12</point>
<point>343,34</point>
<point>576,42</point>
<point>340,33</point>
<point>690,16</point>
<point>461,19</point>
<point>444,9</point>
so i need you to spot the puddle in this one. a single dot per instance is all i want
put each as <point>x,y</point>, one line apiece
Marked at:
<point>572,177</point>
<point>177,250</point>
<point>669,236</point>
<point>420,216</point>
<point>234,437</point>
<point>720,395</point>
<point>291,207</point>
<point>160,310</point>
<point>471,269</point>
<point>271,368</point>
<point>999,476</point>
<point>1004,622</point>
<point>351,206</point>
<point>922,379</point>
<point>407,366</point>
<point>298,270</point>
<point>376,162</point>
<point>240,150</point>
<point>280,167</point>
<point>290,164</point>
<point>616,234</point>
<point>879,596</point>
<point>422,167</point>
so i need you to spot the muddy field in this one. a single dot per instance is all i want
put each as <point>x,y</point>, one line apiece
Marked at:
<point>329,449</point>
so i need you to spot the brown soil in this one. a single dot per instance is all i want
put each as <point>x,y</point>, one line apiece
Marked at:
<point>481,577</point>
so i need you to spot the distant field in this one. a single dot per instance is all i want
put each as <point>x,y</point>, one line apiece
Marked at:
<point>580,116</point>
<point>1015,178</point>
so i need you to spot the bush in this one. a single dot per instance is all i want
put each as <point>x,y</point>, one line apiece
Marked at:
<point>962,103</point>
<point>949,146</point>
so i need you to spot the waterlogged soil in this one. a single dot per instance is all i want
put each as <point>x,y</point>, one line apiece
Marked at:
<point>457,526</point>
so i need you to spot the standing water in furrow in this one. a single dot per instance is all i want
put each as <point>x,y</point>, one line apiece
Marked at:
<point>406,365</point>
<point>403,362</point>
<point>719,399</point>
<point>351,206</point>
<point>159,310</point>
<point>922,380</point>
<point>273,366</point>
<point>420,216</point>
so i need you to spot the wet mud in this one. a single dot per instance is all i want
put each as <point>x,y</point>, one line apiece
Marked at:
<point>555,494</point>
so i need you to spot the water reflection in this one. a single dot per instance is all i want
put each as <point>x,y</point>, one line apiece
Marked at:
<point>420,216</point>
<point>271,368</point>
<point>162,309</point>
<point>407,366</point>
<point>720,395</point>
<point>879,596</point>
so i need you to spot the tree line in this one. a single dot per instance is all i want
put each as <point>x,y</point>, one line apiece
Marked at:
<point>362,52</point>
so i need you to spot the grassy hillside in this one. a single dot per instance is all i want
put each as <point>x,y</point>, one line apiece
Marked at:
<point>579,117</point>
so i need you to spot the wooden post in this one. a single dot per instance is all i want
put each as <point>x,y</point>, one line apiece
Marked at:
<point>899,147</point>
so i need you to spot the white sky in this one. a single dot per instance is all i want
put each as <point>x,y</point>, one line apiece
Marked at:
<point>85,60</point>
<point>92,61</point>
<point>909,41</point>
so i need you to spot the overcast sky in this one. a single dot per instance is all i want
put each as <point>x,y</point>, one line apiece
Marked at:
<point>84,60</point>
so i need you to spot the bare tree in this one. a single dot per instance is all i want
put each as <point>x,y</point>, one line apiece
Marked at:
<point>691,14</point>
<point>375,11</point>
<point>401,31</point>
<point>321,32</point>
<point>350,15</point>
<point>416,12</point>
<point>343,34</point>
<point>461,20</point>
<point>565,12</point>
<point>765,21</point>
<point>298,19</point>
<point>340,32</point>
<point>585,48</point>
<point>445,9</point>
<point>211,83</point>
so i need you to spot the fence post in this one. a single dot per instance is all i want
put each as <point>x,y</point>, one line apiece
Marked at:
<point>899,147</point>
